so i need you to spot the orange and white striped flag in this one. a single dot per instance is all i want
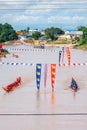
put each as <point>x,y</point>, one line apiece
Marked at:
<point>53,74</point>
<point>68,55</point>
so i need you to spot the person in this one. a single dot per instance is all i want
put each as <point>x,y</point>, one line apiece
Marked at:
<point>73,85</point>
<point>19,80</point>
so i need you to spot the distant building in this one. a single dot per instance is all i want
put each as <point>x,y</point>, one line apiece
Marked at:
<point>75,33</point>
<point>19,32</point>
<point>64,37</point>
<point>31,31</point>
<point>42,32</point>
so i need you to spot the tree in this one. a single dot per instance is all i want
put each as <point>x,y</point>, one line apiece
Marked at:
<point>36,35</point>
<point>7,33</point>
<point>84,30</point>
<point>0,28</point>
<point>28,28</point>
<point>26,31</point>
<point>84,37</point>
<point>52,33</point>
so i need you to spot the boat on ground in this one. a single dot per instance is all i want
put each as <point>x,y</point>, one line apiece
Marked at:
<point>74,85</point>
<point>14,55</point>
<point>13,85</point>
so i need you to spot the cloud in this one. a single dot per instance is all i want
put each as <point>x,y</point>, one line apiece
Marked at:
<point>44,17</point>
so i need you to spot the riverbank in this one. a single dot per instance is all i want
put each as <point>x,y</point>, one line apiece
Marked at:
<point>16,42</point>
<point>81,47</point>
<point>74,46</point>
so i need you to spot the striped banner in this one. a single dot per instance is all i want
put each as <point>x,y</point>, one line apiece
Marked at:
<point>38,75</point>
<point>63,51</point>
<point>53,74</point>
<point>31,64</point>
<point>60,53</point>
<point>45,75</point>
<point>68,54</point>
<point>31,49</point>
<point>16,63</point>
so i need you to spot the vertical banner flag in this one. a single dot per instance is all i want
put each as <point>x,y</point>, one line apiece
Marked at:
<point>63,54</point>
<point>38,75</point>
<point>68,55</point>
<point>53,73</point>
<point>45,75</point>
<point>60,53</point>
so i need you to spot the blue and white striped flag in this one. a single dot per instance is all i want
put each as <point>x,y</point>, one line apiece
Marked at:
<point>38,75</point>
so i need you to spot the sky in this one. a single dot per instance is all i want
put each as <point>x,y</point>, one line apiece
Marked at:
<point>41,14</point>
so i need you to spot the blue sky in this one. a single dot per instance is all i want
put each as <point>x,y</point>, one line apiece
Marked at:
<point>40,14</point>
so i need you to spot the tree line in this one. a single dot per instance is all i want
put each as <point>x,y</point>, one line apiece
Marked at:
<point>7,33</point>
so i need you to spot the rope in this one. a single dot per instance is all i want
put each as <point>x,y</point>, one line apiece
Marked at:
<point>31,64</point>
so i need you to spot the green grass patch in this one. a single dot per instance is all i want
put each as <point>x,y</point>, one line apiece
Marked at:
<point>81,45</point>
<point>57,42</point>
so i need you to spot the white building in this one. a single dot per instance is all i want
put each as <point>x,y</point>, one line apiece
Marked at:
<point>77,33</point>
<point>31,31</point>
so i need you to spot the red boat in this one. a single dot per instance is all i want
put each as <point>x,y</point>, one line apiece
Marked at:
<point>16,56</point>
<point>13,85</point>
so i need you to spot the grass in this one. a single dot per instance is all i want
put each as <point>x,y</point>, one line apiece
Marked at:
<point>8,42</point>
<point>57,42</point>
<point>81,45</point>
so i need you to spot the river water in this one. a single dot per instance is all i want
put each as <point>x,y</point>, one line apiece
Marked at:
<point>28,109</point>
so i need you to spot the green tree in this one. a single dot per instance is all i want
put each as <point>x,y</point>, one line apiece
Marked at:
<point>7,33</point>
<point>52,33</point>
<point>84,37</point>
<point>28,28</point>
<point>25,31</point>
<point>84,29</point>
<point>36,35</point>
<point>0,28</point>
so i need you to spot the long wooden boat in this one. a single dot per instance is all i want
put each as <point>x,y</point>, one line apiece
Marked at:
<point>74,85</point>
<point>13,85</point>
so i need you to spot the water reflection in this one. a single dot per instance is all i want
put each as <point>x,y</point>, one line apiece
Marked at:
<point>53,98</point>
<point>74,95</point>
<point>38,99</point>
<point>53,103</point>
<point>45,95</point>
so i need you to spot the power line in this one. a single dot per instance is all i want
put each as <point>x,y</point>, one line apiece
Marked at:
<point>11,4</point>
<point>56,8</point>
<point>61,2</point>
